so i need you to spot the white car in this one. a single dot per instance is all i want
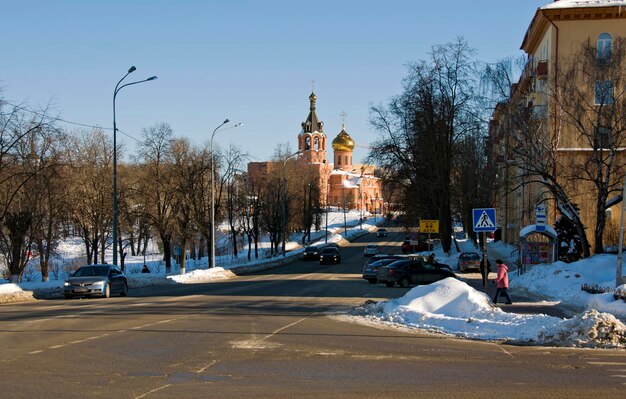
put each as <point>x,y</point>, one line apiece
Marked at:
<point>371,250</point>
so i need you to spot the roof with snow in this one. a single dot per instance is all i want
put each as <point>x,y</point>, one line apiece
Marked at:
<point>584,3</point>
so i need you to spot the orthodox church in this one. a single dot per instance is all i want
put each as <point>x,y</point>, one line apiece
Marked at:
<point>341,183</point>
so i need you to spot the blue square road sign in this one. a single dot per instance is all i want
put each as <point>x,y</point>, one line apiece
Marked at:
<point>484,219</point>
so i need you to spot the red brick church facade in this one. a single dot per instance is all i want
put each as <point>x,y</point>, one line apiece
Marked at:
<point>341,183</point>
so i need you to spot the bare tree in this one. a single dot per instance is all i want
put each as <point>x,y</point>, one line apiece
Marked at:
<point>156,186</point>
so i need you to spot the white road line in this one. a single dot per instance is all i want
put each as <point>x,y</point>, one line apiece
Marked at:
<point>607,363</point>
<point>153,391</point>
<point>206,367</point>
<point>34,352</point>
<point>285,327</point>
<point>80,341</point>
<point>618,375</point>
<point>56,346</point>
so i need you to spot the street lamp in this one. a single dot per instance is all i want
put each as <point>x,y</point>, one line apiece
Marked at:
<point>117,90</point>
<point>212,261</point>
<point>285,198</point>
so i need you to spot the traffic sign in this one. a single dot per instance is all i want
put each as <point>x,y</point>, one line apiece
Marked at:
<point>484,219</point>
<point>540,218</point>
<point>429,226</point>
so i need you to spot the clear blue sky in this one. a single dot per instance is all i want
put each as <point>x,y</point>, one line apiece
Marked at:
<point>249,61</point>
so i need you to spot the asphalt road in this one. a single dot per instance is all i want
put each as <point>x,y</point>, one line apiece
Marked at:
<point>272,335</point>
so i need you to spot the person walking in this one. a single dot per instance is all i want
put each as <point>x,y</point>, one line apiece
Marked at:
<point>502,281</point>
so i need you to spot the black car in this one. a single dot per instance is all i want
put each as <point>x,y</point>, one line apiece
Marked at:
<point>311,253</point>
<point>96,280</point>
<point>381,233</point>
<point>370,270</point>
<point>412,272</point>
<point>330,255</point>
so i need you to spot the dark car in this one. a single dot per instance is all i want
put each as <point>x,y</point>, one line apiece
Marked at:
<point>370,270</point>
<point>311,253</point>
<point>407,247</point>
<point>412,272</point>
<point>468,260</point>
<point>381,233</point>
<point>330,255</point>
<point>96,280</point>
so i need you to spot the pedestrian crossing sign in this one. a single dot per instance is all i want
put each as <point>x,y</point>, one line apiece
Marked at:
<point>484,219</point>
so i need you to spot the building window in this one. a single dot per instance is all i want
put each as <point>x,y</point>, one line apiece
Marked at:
<point>338,159</point>
<point>317,143</point>
<point>603,137</point>
<point>347,160</point>
<point>604,92</point>
<point>604,46</point>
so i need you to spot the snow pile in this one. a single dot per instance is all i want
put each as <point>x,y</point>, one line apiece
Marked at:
<point>451,306</point>
<point>590,330</point>
<point>562,281</point>
<point>202,275</point>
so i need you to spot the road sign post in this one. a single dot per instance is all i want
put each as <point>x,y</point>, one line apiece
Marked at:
<point>484,221</point>
<point>540,218</point>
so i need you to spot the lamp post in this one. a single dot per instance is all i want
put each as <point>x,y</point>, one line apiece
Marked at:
<point>284,221</point>
<point>117,90</point>
<point>212,261</point>
<point>327,210</point>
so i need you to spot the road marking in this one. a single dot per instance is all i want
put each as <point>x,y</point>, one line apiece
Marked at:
<point>618,376</point>
<point>34,352</point>
<point>80,341</point>
<point>286,327</point>
<point>153,391</point>
<point>56,347</point>
<point>607,363</point>
<point>207,366</point>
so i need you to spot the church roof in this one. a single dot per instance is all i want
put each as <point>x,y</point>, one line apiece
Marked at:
<point>312,122</point>
<point>343,142</point>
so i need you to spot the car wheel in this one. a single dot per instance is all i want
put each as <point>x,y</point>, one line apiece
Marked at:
<point>371,280</point>
<point>67,296</point>
<point>107,291</point>
<point>124,290</point>
<point>390,284</point>
<point>404,282</point>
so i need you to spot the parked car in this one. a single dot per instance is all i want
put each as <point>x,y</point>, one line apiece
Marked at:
<point>371,250</point>
<point>311,253</point>
<point>96,280</point>
<point>370,270</point>
<point>468,260</point>
<point>412,272</point>
<point>330,255</point>
<point>421,246</point>
<point>381,233</point>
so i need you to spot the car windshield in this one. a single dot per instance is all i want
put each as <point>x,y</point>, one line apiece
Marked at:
<point>92,271</point>
<point>382,262</point>
<point>330,251</point>
<point>371,245</point>
<point>398,263</point>
<point>470,256</point>
<point>310,249</point>
<point>382,230</point>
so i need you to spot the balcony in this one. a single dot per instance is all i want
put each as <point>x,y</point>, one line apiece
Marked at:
<point>542,70</point>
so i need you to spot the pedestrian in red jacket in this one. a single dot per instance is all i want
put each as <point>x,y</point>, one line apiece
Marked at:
<point>502,281</point>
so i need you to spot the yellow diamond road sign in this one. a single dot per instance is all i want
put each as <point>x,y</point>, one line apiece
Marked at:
<point>429,226</point>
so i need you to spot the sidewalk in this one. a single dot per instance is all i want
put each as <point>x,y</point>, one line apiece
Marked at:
<point>521,304</point>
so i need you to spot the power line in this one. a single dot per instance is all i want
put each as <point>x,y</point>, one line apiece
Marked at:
<point>43,115</point>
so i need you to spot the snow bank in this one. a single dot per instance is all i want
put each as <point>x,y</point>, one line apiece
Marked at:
<point>562,281</point>
<point>451,306</point>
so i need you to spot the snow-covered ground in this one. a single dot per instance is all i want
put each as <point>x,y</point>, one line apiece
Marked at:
<point>453,307</point>
<point>449,306</point>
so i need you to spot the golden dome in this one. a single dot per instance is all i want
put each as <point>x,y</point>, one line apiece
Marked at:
<point>343,142</point>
